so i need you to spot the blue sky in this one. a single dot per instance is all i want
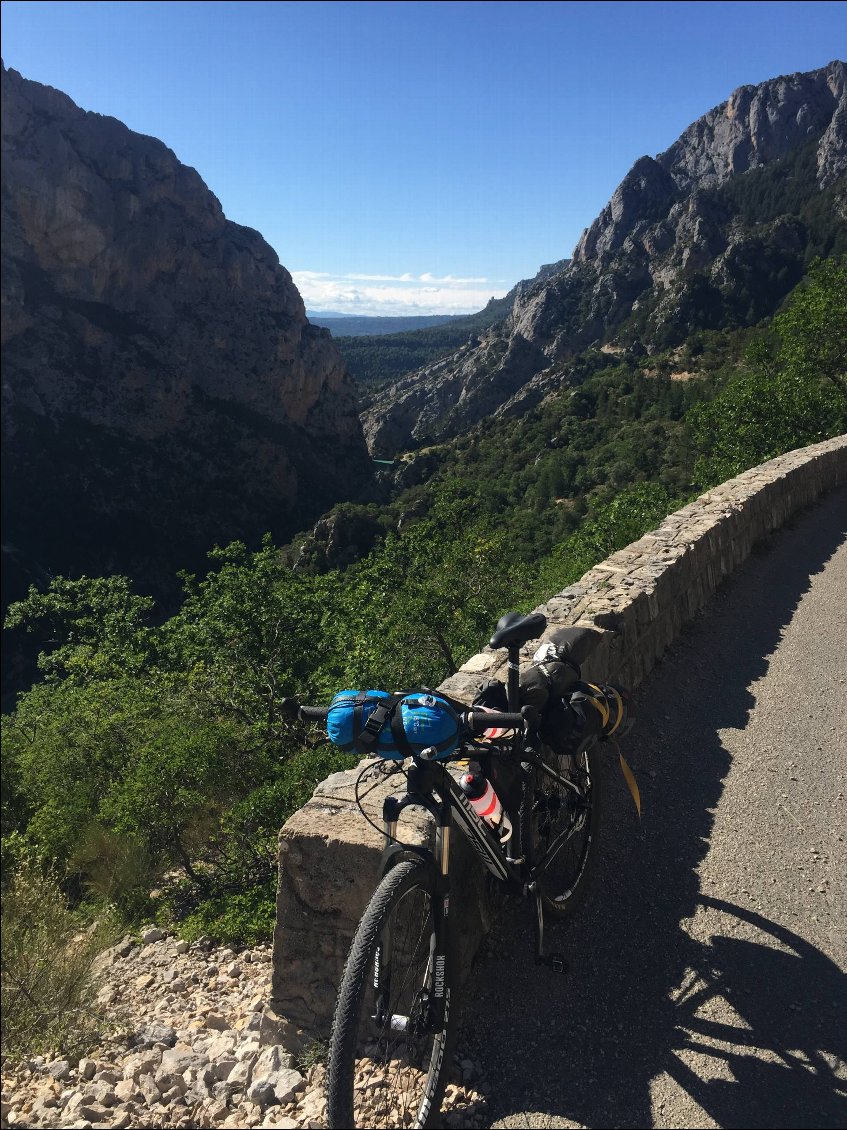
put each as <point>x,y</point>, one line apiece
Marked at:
<point>413,157</point>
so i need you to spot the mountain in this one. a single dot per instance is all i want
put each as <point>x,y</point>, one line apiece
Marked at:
<point>378,359</point>
<point>163,390</point>
<point>711,233</point>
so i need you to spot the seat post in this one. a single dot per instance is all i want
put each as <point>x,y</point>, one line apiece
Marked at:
<point>513,684</point>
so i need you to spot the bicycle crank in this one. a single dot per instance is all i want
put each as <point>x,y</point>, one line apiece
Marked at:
<point>554,961</point>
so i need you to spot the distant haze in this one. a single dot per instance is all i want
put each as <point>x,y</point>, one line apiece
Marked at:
<point>396,295</point>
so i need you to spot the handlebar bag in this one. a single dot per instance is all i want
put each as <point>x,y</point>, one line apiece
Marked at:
<point>393,726</point>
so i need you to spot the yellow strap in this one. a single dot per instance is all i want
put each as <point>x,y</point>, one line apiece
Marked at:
<point>631,781</point>
<point>619,701</point>
<point>599,703</point>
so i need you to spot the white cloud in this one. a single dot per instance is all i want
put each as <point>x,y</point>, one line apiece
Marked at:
<point>367,294</point>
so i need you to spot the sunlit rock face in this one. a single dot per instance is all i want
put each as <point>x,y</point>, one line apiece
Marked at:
<point>162,388</point>
<point>673,246</point>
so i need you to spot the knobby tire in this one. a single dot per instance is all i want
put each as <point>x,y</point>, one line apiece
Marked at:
<point>549,809</point>
<point>378,1074</point>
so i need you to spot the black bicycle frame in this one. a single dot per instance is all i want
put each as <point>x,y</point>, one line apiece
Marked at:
<point>429,780</point>
<point>432,787</point>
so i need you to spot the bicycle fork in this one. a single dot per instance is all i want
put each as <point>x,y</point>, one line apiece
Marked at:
<point>431,1010</point>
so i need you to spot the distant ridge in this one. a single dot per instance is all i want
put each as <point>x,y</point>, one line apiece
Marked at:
<point>363,325</point>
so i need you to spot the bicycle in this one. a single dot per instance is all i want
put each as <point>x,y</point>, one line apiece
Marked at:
<point>396,1017</point>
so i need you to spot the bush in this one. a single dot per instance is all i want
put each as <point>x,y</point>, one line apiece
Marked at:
<point>46,956</point>
<point>244,919</point>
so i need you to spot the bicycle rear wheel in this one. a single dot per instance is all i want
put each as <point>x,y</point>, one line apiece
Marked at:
<point>391,1041</point>
<point>552,809</point>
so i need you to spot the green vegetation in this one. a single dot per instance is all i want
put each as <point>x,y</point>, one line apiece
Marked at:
<point>152,766</point>
<point>378,360</point>
<point>793,390</point>
<point>47,952</point>
<point>787,187</point>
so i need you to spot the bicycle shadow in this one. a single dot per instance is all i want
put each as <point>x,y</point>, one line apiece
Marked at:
<point>675,996</point>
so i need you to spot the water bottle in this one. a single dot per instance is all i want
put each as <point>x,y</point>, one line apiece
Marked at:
<point>486,804</point>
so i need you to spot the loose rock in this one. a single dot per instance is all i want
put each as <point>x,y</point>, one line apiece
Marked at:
<point>199,1064</point>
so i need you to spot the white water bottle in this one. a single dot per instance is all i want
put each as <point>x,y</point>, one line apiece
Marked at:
<point>486,804</point>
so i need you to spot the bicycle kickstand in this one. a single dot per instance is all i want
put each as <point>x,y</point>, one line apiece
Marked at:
<point>554,961</point>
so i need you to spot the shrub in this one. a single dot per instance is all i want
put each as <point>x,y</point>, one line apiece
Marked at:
<point>46,956</point>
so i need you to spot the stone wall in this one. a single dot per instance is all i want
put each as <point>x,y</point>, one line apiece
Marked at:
<point>641,597</point>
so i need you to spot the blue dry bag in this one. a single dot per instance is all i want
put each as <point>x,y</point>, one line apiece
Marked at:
<point>394,726</point>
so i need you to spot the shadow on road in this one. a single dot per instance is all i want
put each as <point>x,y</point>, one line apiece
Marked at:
<point>754,1006</point>
<point>786,1002</point>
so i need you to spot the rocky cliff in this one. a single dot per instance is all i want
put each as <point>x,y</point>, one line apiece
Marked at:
<point>163,390</point>
<point>713,232</point>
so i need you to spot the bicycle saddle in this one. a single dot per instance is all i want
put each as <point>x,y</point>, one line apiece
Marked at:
<point>513,629</point>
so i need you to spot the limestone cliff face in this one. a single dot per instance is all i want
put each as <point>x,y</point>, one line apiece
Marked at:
<point>754,127</point>
<point>674,250</point>
<point>162,390</point>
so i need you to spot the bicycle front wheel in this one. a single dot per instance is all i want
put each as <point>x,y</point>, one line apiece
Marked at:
<point>393,1030</point>
<point>556,814</point>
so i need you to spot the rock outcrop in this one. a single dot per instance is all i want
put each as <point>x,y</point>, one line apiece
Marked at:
<point>163,390</point>
<point>676,249</point>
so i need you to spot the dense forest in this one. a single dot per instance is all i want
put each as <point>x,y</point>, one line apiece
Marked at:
<point>150,768</point>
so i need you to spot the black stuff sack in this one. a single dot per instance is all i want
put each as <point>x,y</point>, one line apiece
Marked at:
<point>555,667</point>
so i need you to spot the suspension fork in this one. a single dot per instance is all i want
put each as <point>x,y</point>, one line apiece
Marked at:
<point>422,786</point>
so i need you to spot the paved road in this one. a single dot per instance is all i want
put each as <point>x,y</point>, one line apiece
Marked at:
<point>707,985</point>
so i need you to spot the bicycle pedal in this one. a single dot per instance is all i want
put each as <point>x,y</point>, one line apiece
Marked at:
<point>555,962</point>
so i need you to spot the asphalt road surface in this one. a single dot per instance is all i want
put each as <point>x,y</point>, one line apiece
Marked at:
<point>707,982</point>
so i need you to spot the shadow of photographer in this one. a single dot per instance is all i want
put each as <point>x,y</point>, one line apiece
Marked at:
<point>681,1008</point>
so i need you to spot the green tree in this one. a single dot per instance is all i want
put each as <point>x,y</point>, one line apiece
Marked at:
<point>93,627</point>
<point>812,330</point>
<point>793,391</point>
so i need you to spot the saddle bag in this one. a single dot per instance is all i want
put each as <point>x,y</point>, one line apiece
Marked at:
<point>587,711</point>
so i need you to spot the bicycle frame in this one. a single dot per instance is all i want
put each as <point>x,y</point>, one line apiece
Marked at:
<point>432,779</point>
<point>431,786</point>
